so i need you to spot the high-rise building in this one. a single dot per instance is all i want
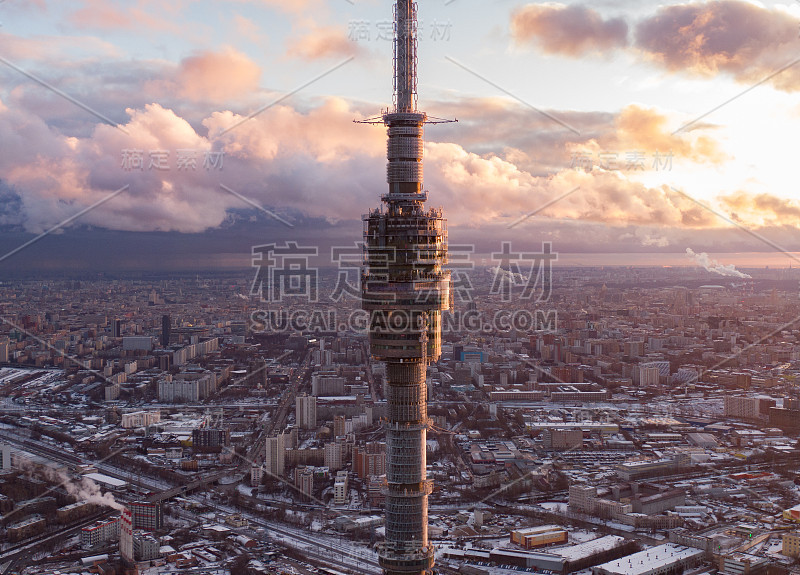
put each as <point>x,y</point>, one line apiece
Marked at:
<point>210,440</point>
<point>166,329</point>
<point>274,456</point>
<point>405,289</point>
<point>750,408</point>
<point>145,546</point>
<point>369,460</point>
<point>3,349</point>
<point>647,375</point>
<point>116,328</point>
<point>146,515</point>
<point>327,384</point>
<point>189,387</point>
<point>140,419</point>
<point>334,456</point>
<point>256,475</point>
<point>306,411</point>
<point>339,425</point>
<point>304,481</point>
<point>5,456</point>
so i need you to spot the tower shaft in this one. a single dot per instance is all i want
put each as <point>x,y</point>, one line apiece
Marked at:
<point>405,289</point>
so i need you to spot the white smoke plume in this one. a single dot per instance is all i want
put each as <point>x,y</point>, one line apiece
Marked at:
<point>82,488</point>
<point>703,260</point>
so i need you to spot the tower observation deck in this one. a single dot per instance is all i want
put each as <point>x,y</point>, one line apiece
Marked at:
<point>405,289</point>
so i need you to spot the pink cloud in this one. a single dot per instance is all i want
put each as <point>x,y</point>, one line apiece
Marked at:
<point>246,28</point>
<point>569,30</point>
<point>743,39</point>
<point>19,48</point>
<point>729,36</point>
<point>317,163</point>
<point>217,76</point>
<point>322,42</point>
<point>100,14</point>
<point>141,14</point>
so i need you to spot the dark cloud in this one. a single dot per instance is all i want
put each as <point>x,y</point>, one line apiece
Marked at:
<point>90,252</point>
<point>10,207</point>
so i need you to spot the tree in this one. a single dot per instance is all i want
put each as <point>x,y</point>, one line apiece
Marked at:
<point>239,565</point>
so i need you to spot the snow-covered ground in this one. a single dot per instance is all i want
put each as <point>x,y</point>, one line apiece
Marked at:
<point>554,506</point>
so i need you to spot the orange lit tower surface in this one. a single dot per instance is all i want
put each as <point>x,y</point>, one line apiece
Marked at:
<point>405,289</point>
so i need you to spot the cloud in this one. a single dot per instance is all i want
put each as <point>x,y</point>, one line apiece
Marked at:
<point>317,43</point>
<point>138,15</point>
<point>217,76</point>
<point>573,30</point>
<point>247,28</point>
<point>295,7</point>
<point>310,37</point>
<point>647,129</point>
<point>746,40</point>
<point>704,261</point>
<point>99,14</point>
<point>538,145</point>
<point>316,163</point>
<point>743,39</point>
<point>21,49</point>
<point>477,190</point>
<point>765,209</point>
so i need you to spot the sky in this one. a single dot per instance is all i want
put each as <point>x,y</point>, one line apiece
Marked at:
<point>183,133</point>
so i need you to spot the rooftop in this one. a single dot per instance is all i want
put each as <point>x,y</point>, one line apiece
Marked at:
<point>651,559</point>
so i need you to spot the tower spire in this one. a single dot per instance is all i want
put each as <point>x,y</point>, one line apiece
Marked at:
<point>405,56</point>
<point>405,289</point>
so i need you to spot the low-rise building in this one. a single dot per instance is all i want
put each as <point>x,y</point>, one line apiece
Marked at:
<point>100,532</point>
<point>532,537</point>
<point>145,546</point>
<point>662,560</point>
<point>340,488</point>
<point>791,544</point>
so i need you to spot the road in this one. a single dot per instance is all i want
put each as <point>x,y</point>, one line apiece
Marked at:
<point>323,548</point>
<point>40,542</point>
<point>278,422</point>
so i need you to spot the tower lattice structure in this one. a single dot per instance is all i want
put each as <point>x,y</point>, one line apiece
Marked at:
<point>405,288</point>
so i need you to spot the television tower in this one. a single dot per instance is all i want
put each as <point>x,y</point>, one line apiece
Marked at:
<point>405,289</point>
